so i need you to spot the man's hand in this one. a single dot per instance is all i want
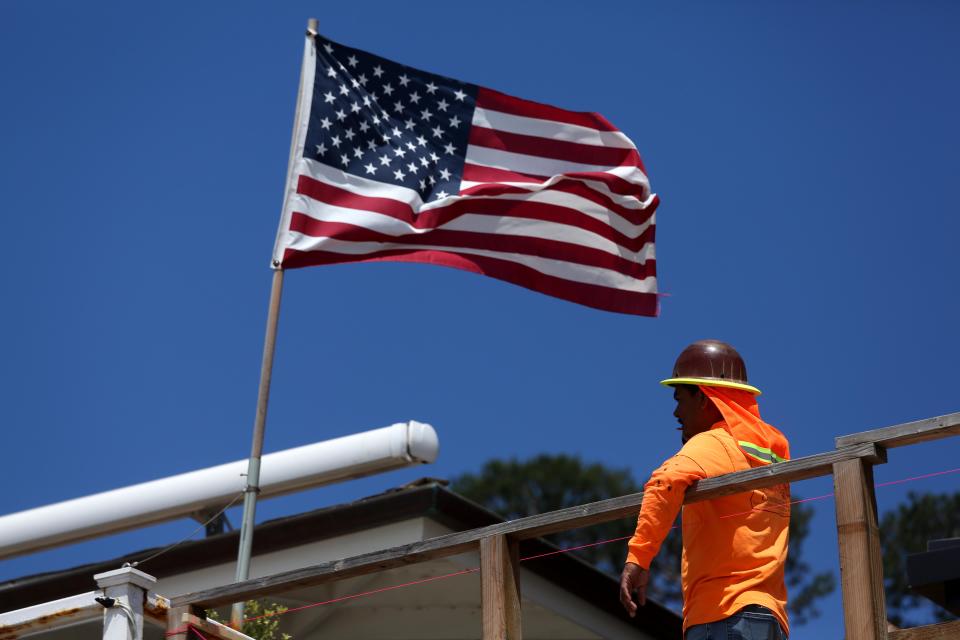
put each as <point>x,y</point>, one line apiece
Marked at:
<point>633,579</point>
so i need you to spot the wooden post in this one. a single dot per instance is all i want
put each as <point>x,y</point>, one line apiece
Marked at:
<point>176,627</point>
<point>500,588</point>
<point>861,564</point>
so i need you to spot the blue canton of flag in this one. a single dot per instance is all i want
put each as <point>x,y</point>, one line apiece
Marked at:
<point>388,122</point>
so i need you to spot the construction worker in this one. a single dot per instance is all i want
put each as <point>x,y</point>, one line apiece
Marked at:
<point>734,547</point>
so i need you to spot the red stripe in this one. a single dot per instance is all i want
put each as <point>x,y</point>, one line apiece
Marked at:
<point>633,216</point>
<point>556,149</point>
<point>541,211</point>
<point>616,184</point>
<point>477,173</point>
<point>598,297</point>
<point>538,247</point>
<point>492,206</point>
<point>497,207</point>
<point>493,189</point>
<point>496,101</point>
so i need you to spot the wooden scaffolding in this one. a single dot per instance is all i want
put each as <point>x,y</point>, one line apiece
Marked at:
<point>861,569</point>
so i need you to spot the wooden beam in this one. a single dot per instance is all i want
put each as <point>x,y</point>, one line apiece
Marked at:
<point>861,564</point>
<point>213,630</point>
<point>500,588</point>
<point>909,433</point>
<point>522,528</point>
<point>942,631</point>
<point>725,485</point>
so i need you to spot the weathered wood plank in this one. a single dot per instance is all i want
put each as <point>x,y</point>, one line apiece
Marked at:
<point>529,527</point>
<point>942,631</point>
<point>731,483</point>
<point>213,630</point>
<point>500,589</point>
<point>861,564</point>
<point>900,435</point>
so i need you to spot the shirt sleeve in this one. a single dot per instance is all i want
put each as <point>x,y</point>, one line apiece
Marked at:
<point>662,499</point>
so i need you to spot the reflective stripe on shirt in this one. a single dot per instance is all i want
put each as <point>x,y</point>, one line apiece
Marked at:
<point>759,453</point>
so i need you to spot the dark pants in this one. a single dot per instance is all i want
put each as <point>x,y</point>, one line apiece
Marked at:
<point>753,622</point>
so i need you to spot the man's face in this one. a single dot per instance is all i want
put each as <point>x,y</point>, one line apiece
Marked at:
<point>694,411</point>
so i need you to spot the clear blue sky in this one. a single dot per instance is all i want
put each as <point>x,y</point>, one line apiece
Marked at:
<point>807,160</point>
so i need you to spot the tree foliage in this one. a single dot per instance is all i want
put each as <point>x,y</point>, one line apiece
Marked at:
<point>516,488</point>
<point>262,620</point>
<point>907,529</point>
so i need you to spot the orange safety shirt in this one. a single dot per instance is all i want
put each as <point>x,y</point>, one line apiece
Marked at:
<point>735,547</point>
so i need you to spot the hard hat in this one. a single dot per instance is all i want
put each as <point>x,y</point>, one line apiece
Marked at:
<point>711,363</point>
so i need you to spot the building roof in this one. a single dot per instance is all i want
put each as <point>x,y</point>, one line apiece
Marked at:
<point>425,498</point>
<point>935,573</point>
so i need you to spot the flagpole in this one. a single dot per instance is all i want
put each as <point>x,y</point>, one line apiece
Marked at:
<point>252,487</point>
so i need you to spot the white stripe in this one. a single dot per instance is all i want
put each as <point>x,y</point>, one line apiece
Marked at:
<point>629,174</point>
<point>523,163</point>
<point>542,230</point>
<point>571,201</point>
<point>565,270</point>
<point>537,165</point>
<point>579,203</point>
<point>474,223</point>
<point>491,119</point>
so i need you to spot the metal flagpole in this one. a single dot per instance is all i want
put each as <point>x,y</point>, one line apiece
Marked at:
<point>263,396</point>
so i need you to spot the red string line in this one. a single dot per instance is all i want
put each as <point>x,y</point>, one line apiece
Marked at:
<point>923,477</point>
<point>185,629</point>
<point>366,593</point>
<point>564,550</point>
<point>197,631</point>
<point>582,546</point>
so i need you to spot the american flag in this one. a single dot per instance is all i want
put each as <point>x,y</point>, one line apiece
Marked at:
<point>393,163</point>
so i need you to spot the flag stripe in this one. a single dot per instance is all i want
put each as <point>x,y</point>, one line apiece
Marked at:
<point>492,243</point>
<point>480,173</point>
<point>555,149</point>
<point>483,181</point>
<point>547,206</point>
<point>512,123</point>
<point>573,271</point>
<point>496,101</point>
<point>538,165</point>
<point>591,295</point>
<point>522,163</point>
<point>533,215</point>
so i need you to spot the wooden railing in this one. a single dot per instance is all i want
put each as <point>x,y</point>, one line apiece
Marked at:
<point>861,568</point>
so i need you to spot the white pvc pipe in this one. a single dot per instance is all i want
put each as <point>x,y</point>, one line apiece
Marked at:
<point>399,445</point>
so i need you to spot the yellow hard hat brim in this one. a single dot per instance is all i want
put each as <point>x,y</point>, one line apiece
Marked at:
<point>711,382</point>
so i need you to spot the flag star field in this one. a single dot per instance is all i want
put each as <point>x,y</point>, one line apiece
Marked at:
<point>388,122</point>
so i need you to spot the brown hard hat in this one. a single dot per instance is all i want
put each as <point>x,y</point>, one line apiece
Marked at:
<point>711,363</point>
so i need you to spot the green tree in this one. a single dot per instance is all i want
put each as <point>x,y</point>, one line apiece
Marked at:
<point>262,620</point>
<point>907,529</point>
<point>516,488</point>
